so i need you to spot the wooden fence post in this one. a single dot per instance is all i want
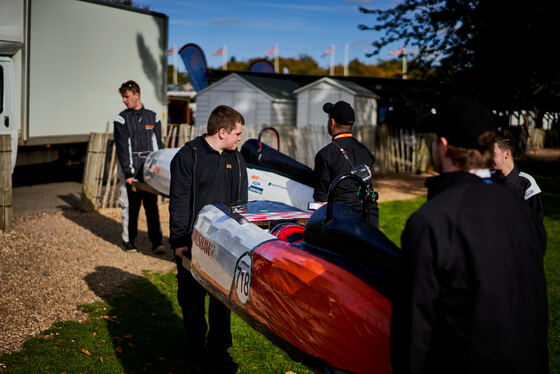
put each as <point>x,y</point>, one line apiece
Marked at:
<point>95,161</point>
<point>6,211</point>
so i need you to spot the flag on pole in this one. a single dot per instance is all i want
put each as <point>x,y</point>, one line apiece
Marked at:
<point>171,51</point>
<point>219,52</point>
<point>328,51</point>
<point>397,52</point>
<point>271,51</point>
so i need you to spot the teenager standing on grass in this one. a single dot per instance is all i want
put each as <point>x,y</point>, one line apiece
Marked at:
<point>472,292</point>
<point>206,170</point>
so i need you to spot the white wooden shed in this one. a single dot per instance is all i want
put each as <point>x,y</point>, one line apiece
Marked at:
<point>261,100</point>
<point>310,100</point>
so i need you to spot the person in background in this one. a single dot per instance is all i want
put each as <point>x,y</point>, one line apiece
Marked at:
<point>207,169</point>
<point>507,173</point>
<point>471,296</point>
<point>137,132</point>
<point>339,157</point>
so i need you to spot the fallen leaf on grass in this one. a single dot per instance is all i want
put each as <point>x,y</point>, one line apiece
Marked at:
<point>131,345</point>
<point>290,372</point>
<point>119,350</point>
<point>112,357</point>
<point>101,359</point>
<point>48,336</point>
<point>128,336</point>
<point>109,318</point>
<point>86,352</point>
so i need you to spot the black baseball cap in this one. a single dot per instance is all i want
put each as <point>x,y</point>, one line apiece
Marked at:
<point>460,119</point>
<point>341,112</point>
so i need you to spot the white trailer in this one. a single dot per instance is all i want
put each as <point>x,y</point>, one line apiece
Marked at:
<point>61,63</point>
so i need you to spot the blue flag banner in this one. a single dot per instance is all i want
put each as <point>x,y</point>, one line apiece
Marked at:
<point>262,66</point>
<point>195,62</point>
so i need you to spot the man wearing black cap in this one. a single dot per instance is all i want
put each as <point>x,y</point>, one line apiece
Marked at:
<point>340,157</point>
<point>471,296</point>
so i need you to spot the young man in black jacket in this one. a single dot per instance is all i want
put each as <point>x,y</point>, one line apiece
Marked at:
<point>137,132</point>
<point>507,173</point>
<point>207,169</point>
<point>340,157</point>
<point>472,292</point>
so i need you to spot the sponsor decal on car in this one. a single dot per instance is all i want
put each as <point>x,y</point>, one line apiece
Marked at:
<point>255,189</point>
<point>202,243</point>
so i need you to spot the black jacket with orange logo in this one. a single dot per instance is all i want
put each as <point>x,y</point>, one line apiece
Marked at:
<point>201,175</point>
<point>136,133</point>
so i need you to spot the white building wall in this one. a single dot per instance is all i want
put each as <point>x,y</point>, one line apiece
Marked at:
<point>240,95</point>
<point>310,103</point>
<point>366,110</point>
<point>283,113</point>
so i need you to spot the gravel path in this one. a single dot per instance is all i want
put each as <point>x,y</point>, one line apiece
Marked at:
<point>50,263</point>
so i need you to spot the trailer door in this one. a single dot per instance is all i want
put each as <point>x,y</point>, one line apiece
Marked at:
<point>8,122</point>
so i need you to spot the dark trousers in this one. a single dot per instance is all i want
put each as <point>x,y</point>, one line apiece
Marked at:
<point>191,297</point>
<point>135,200</point>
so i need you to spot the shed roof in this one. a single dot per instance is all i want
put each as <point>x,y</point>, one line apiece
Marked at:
<point>348,86</point>
<point>275,88</point>
<point>279,88</point>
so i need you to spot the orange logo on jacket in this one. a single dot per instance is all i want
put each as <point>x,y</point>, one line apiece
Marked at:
<point>228,166</point>
<point>149,127</point>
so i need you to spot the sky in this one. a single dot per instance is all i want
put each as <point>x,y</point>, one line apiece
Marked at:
<point>250,28</point>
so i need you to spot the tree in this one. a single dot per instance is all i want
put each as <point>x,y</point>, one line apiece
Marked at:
<point>498,50</point>
<point>305,64</point>
<point>182,78</point>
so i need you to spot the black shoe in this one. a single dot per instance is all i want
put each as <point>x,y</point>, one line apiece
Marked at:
<point>224,363</point>
<point>158,249</point>
<point>196,363</point>
<point>129,247</point>
<point>196,368</point>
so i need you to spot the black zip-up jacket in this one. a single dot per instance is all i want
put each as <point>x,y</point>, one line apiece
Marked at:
<point>216,178</point>
<point>472,293</point>
<point>330,162</point>
<point>136,133</point>
<point>524,186</point>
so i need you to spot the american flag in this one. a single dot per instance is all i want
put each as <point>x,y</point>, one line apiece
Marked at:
<point>328,51</point>
<point>171,51</point>
<point>219,52</point>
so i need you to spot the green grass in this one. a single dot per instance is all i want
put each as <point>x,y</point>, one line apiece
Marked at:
<point>551,202</point>
<point>140,330</point>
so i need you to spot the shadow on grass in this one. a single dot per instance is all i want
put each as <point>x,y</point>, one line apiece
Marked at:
<point>137,329</point>
<point>142,321</point>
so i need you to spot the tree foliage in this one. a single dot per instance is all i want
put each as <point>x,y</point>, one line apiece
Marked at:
<point>306,64</point>
<point>500,50</point>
